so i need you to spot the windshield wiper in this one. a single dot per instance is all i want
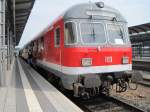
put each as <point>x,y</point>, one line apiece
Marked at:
<point>93,33</point>
<point>121,33</point>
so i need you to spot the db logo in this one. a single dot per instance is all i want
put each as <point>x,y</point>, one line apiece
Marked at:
<point>108,59</point>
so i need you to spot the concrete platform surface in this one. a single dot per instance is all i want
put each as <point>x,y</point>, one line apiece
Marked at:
<point>144,59</point>
<point>27,91</point>
<point>145,74</point>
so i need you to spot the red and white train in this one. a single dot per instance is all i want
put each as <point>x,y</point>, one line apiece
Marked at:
<point>87,47</point>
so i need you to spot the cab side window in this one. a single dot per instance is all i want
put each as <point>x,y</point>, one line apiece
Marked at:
<point>57,37</point>
<point>69,33</point>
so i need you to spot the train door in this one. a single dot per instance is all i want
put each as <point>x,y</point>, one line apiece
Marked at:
<point>47,48</point>
<point>41,48</point>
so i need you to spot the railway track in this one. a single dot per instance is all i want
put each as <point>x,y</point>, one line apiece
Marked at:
<point>146,77</point>
<point>127,105</point>
<point>104,103</point>
<point>145,82</point>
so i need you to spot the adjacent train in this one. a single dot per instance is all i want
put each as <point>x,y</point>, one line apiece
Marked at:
<point>87,48</point>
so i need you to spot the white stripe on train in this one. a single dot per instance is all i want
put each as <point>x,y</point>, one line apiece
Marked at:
<point>86,70</point>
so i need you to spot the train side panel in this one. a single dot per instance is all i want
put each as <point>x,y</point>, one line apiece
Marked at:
<point>50,51</point>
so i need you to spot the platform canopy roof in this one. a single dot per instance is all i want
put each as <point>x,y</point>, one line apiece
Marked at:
<point>140,33</point>
<point>139,28</point>
<point>22,9</point>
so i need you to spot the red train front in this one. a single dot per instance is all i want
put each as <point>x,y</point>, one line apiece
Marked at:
<point>88,48</point>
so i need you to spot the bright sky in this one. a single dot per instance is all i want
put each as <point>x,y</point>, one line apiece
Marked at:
<point>45,11</point>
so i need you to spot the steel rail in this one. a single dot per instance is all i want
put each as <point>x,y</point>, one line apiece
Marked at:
<point>126,104</point>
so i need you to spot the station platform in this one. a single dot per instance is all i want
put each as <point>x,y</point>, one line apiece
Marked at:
<point>141,59</point>
<point>141,63</point>
<point>145,75</point>
<point>27,91</point>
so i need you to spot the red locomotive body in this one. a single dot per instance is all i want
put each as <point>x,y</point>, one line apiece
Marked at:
<point>87,46</point>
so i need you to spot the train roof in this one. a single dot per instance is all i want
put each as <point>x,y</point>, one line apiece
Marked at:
<point>84,11</point>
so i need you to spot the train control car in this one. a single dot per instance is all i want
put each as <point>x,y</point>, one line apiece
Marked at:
<point>87,48</point>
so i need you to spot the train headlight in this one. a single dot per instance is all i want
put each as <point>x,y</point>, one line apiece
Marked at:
<point>86,61</point>
<point>100,4</point>
<point>125,60</point>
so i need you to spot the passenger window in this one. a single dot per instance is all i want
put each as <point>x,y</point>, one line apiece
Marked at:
<point>69,33</point>
<point>57,37</point>
<point>40,44</point>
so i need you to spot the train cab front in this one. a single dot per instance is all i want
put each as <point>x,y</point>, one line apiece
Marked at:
<point>99,52</point>
<point>96,54</point>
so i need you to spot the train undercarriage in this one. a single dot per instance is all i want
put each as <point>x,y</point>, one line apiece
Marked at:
<point>89,85</point>
<point>92,85</point>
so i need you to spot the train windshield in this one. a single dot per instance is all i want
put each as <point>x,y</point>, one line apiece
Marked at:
<point>93,33</point>
<point>116,34</point>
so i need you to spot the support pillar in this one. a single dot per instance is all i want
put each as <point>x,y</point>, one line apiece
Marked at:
<point>2,41</point>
